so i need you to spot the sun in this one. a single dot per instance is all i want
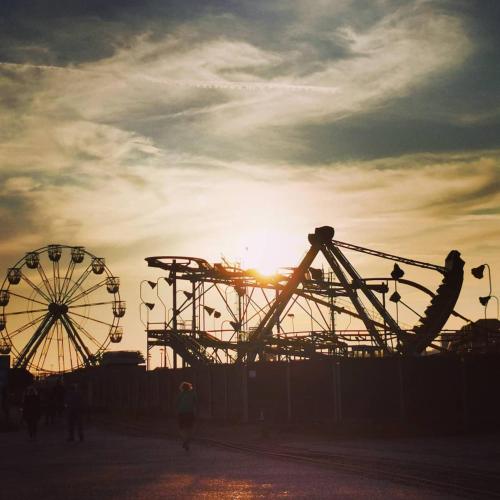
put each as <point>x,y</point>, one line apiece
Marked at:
<point>267,251</point>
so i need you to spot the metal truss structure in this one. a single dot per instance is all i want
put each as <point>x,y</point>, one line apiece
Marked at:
<point>255,312</point>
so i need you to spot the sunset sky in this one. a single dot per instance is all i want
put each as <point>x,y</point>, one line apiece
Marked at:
<point>209,128</point>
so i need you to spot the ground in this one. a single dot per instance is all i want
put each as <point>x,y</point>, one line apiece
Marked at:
<point>118,464</point>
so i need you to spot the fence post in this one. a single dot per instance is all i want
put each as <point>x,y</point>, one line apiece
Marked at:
<point>465,399</point>
<point>225,393</point>
<point>288,392</point>
<point>244,388</point>
<point>402,399</point>
<point>337,393</point>
<point>210,396</point>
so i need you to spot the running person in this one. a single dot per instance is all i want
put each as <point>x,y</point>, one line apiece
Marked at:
<point>186,411</point>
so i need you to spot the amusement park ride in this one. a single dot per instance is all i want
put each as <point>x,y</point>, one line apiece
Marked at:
<point>60,308</point>
<point>259,307</point>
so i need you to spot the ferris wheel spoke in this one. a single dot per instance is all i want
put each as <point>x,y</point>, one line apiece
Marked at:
<point>87,334</point>
<point>92,319</point>
<point>90,304</point>
<point>36,288</point>
<point>23,328</point>
<point>46,282</point>
<point>27,298</point>
<point>72,290</point>
<point>15,313</point>
<point>67,277</point>
<point>57,284</point>
<point>86,292</point>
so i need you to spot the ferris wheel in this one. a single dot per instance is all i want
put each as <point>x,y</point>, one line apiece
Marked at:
<point>60,308</point>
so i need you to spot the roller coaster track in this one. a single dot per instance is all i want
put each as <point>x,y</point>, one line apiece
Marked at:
<point>310,284</point>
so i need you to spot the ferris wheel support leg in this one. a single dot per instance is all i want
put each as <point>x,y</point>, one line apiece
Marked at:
<point>77,340</point>
<point>32,346</point>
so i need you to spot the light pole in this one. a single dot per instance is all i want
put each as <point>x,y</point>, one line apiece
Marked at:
<point>478,272</point>
<point>485,303</point>
<point>149,307</point>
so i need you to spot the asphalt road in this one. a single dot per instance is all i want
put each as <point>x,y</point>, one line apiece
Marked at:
<point>111,465</point>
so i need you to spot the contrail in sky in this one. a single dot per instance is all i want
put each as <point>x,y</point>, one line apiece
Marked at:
<point>199,84</point>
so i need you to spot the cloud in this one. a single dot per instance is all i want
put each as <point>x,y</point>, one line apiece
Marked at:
<point>16,185</point>
<point>400,52</point>
<point>191,140</point>
<point>223,97</point>
<point>252,87</point>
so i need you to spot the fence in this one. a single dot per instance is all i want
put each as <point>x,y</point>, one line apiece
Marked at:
<point>423,391</point>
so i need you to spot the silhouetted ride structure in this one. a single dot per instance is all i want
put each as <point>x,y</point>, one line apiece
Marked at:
<point>255,312</point>
<point>60,309</point>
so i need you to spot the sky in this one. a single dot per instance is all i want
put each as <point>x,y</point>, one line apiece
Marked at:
<point>231,128</point>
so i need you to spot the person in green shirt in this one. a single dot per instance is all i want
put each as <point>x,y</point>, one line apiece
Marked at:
<point>186,410</point>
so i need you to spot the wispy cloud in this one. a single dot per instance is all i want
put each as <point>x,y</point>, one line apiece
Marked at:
<point>190,140</point>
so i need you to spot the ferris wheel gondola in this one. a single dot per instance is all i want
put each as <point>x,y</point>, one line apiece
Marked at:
<point>60,307</point>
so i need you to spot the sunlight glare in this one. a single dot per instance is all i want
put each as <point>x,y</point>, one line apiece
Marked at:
<point>267,251</point>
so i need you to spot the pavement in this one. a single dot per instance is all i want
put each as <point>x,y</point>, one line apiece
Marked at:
<point>113,463</point>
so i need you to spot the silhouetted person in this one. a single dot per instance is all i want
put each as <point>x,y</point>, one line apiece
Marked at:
<point>186,410</point>
<point>31,410</point>
<point>58,398</point>
<point>75,408</point>
<point>55,401</point>
<point>50,410</point>
<point>6,400</point>
<point>44,393</point>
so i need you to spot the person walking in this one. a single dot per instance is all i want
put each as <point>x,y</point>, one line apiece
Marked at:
<point>186,410</point>
<point>31,410</point>
<point>6,402</point>
<point>75,408</point>
<point>58,397</point>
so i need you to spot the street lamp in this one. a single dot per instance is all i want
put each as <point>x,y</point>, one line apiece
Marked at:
<point>485,300</point>
<point>149,305</point>
<point>211,310</point>
<point>478,272</point>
